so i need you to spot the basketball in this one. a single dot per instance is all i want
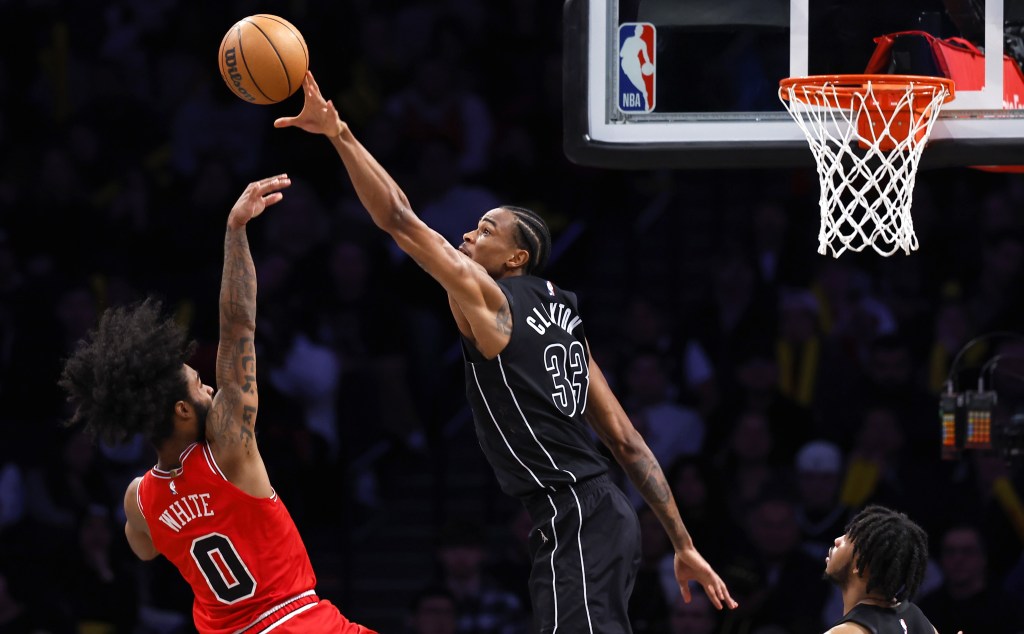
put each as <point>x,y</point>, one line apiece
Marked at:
<point>647,68</point>
<point>263,59</point>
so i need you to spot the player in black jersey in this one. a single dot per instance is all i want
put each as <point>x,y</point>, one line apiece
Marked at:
<point>878,564</point>
<point>533,386</point>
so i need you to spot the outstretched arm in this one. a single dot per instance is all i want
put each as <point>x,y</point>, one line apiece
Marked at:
<point>477,295</point>
<point>613,427</point>
<point>230,427</point>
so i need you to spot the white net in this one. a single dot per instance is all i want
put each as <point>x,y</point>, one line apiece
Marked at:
<point>867,140</point>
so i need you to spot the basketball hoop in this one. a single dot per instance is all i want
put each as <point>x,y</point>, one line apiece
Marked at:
<point>867,133</point>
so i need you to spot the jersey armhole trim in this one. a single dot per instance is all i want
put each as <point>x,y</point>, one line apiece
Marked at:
<point>211,461</point>
<point>138,498</point>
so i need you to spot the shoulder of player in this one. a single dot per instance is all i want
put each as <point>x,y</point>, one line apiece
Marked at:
<point>131,499</point>
<point>133,486</point>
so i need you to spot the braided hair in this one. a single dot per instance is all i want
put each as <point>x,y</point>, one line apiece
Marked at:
<point>532,234</point>
<point>124,377</point>
<point>892,547</point>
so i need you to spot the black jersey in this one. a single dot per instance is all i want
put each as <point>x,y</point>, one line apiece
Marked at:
<point>528,402</point>
<point>905,618</point>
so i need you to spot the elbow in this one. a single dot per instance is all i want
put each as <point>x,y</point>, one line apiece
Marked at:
<point>398,216</point>
<point>626,445</point>
<point>148,555</point>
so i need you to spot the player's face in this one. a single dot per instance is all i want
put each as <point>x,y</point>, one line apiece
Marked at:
<point>839,562</point>
<point>493,242</point>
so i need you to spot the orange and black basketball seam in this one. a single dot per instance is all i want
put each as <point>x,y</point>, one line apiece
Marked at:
<point>298,38</point>
<point>291,29</point>
<point>241,55</point>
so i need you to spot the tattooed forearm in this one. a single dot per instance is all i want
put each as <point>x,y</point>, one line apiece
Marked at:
<point>238,282</point>
<point>646,475</point>
<point>649,480</point>
<point>503,320</point>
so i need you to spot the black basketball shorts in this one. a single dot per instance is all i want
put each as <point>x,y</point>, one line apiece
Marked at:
<point>585,544</point>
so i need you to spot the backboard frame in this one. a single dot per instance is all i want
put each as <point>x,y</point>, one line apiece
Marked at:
<point>971,130</point>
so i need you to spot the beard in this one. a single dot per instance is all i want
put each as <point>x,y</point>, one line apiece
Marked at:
<point>202,411</point>
<point>841,577</point>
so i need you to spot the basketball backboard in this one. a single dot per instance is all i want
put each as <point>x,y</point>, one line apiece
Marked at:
<point>694,83</point>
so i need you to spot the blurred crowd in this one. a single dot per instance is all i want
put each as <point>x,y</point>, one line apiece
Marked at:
<point>781,391</point>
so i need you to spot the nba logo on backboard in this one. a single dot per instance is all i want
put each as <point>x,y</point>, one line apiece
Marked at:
<point>636,67</point>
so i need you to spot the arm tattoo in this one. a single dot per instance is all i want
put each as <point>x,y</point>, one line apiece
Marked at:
<point>503,320</point>
<point>238,282</point>
<point>649,480</point>
<point>220,417</point>
<point>646,475</point>
<point>233,416</point>
<point>247,364</point>
<point>245,430</point>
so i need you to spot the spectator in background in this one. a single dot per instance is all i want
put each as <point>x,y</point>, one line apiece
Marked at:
<point>993,302</point>
<point>989,492</point>
<point>953,329</point>
<point>745,466</point>
<point>733,320</point>
<point>968,601</point>
<point>100,583</point>
<point>700,496</point>
<point>437,106</point>
<point>670,429</point>
<point>648,605</point>
<point>511,562</point>
<point>20,616</point>
<point>648,327</point>
<point>893,381</point>
<point>819,469</point>
<point>798,351</point>
<point>779,580</point>
<point>696,617</point>
<point>64,488</point>
<point>432,611</point>
<point>876,470</point>
<point>482,606</point>
<point>757,383</point>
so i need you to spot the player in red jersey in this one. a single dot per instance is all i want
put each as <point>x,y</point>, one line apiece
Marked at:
<point>207,505</point>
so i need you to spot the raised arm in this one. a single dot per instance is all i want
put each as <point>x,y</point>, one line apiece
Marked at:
<point>230,426</point>
<point>613,427</point>
<point>474,292</point>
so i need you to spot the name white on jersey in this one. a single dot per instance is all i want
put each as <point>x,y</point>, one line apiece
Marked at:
<point>185,509</point>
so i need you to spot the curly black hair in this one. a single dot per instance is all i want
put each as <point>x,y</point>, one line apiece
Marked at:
<point>892,548</point>
<point>533,235</point>
<point>125,376</point>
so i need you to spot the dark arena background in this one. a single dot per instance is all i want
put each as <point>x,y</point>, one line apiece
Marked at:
<point>781,390</point>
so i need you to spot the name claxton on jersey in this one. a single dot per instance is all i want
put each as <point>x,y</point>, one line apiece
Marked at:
<point>556,315</point>
<point>185,509</point>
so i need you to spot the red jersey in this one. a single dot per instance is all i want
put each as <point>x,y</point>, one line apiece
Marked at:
<point>242,555</point>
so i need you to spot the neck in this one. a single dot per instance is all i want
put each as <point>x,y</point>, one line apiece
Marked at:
<point>168,456</point>
<point>855,594</point>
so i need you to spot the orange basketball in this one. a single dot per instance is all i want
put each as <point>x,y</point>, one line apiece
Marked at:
<point>263,59</point>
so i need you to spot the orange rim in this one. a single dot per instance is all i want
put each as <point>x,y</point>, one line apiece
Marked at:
<point>846,87</point>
